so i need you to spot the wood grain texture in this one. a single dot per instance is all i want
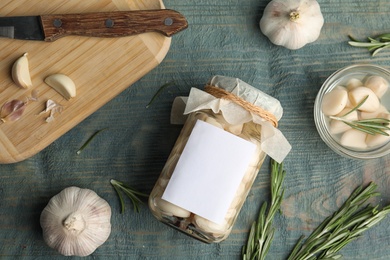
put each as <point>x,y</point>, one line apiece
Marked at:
<point>100,68</point>
<point>112,24</point>
<point>223,38</point>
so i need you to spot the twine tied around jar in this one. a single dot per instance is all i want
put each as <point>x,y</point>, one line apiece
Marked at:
<point>221,93</point>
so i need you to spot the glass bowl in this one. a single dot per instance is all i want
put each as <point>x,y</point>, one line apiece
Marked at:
<point>340,77</point>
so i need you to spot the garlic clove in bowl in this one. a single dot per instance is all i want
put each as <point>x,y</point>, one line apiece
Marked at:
<point>76,222</point>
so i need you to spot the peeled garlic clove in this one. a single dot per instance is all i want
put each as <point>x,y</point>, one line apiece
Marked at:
<point>241,189</point>
<point>384,114</point>
<point>234,129</point>
<point>163,182</point>
<point>337,126</point>
<point>354,83</point>
<point>171,208</point>
<point>209,226</point>
<point>62,84</point>
<point>231,213</point>
<point>378,85</point>
<point>356,96</point>
<point>21,72</point>
<point>334,101</point>
<point>250,172</point>
<point>377,140</point>
<point>382,110</point>
<point>354,139</point>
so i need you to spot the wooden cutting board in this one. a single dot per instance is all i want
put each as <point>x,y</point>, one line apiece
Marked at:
<point>100,68</point>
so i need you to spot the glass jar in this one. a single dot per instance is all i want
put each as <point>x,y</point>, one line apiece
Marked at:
<point>208,174</point>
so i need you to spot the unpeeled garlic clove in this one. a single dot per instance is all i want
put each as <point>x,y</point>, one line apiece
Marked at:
<point>62,84</point>
<point>12,110</point>
<point>334,101</point>
<point>357,95</point>
<point>21,72</point>
<point>354,139</point>
<point>168,207</point>
<point>378,85</point>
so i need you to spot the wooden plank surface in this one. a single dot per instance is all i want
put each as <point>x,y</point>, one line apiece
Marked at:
<point>223,38</point>
<point>100,68</point>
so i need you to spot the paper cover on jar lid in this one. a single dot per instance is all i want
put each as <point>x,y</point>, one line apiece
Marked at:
<point>178,106</point>
<point>273,141</point>
<point>249,93</point>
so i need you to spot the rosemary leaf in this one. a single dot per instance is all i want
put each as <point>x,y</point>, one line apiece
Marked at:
<point>381,48</point>
<point>130,192</point>
<point>261,233</point>
<point>372,124</point>
<point>122,202</point>
<point>363,44</point>
<point>339,229</point>
<point>159,91</point>
<point>368,130</point>
<point>377,120</point>
<point>89,140</point>
<point>384,36</point>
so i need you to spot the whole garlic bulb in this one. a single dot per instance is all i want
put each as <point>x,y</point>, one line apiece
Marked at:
<point>292,23</point>
<point>76,222</point>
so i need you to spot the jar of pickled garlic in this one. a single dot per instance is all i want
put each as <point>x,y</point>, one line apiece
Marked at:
<point>231,127</point>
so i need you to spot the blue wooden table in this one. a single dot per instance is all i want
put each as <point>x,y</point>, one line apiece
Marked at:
<point>223,38</point>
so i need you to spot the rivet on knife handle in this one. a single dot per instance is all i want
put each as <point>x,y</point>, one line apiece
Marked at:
<point>112,24</point>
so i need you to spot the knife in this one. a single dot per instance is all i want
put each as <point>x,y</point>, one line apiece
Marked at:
<point>50,27</point>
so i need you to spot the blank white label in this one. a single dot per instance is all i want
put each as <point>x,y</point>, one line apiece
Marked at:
<point>209,172</point>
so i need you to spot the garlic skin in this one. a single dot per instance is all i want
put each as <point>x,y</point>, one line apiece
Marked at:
<point>21,72</point>
<point>62,84</point>
<point>12,110</point>
<point>76,222</point>
<point>292,23</point>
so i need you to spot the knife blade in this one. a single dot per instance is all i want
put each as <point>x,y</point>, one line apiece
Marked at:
<point>51,27</point>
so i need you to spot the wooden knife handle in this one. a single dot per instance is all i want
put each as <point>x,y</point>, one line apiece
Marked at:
<point>112,24</point>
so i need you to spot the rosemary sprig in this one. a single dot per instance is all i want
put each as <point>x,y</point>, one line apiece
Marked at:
<point>262,232</point>
<point>370,126</point>
<point>345,225</point>
<point>374,44</point>
<point>130,192</point>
